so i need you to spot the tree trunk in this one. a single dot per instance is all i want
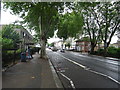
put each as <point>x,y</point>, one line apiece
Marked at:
<point>105,48</point>
<point>43,49</point>
<point>43,39</point>
<point>92,48</point>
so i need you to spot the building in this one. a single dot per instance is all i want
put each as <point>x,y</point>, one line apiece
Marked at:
<point>58,44</point>
<point>114,45</point>
<point>62,44</point>
<point>25,37</point>
<point>118,41</point>
<point>82,45</point>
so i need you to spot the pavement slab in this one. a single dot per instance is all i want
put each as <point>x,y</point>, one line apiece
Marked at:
<point>35,73</point>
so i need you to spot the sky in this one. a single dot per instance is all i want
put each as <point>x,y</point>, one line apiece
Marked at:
<point>8,18</point>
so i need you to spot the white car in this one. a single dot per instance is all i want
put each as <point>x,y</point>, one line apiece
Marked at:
<point>54,49</point>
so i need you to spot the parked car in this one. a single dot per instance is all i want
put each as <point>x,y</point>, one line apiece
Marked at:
<point>49,47</point>
<point>54,49</point>
<point>62,50</point>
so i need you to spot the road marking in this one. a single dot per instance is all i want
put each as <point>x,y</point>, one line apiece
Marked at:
<point>73,61</point>
<point>88,69</point>
<point>113,79</point>
<point>55,76</point>
<point>71,82</point>
<point>104,76</point>
<point>111,62</point>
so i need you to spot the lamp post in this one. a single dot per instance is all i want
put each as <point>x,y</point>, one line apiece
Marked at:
<point>24,40</point>
<point>62,43</point>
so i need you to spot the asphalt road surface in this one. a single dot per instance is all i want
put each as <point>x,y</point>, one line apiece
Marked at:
<point>85,71</point>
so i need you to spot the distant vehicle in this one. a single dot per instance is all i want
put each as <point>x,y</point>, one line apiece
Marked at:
<point>62,50</point>
<point>54,49</point>
<point>49,47</point>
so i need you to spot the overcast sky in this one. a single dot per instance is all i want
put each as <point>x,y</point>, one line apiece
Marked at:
<point>7,18</point>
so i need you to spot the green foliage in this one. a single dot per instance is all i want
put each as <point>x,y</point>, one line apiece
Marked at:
<point>9,37</point>
<point>0,39</point>
<point>7,43</point>
<point>68,45</point>
<point>110,20</point>
<point>19,51</point>
<point>39,16</point>
<point>9,55</point>
<point>101,21</point>
<point>31,12</point>
<point>90,28</point>
<point>118,52</point>
<point>51,45</point>
<point>10,52</point>
<point>114,52</point>
<point>100,52</point>
<point>70,24</point>
<point>111,52</point>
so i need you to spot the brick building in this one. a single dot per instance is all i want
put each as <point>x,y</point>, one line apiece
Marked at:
<point>83,45</point>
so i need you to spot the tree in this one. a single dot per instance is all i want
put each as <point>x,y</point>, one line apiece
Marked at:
<point>90,27</point>
<point>9,37</point>
<point>41,17</point>
<point>68,45</point>
<point>69,25</point>
<point>101,21</point>
<point>7,43</point>
<point>108,21</point>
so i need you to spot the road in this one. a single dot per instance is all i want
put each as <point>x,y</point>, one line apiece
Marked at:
<point>85,71</point>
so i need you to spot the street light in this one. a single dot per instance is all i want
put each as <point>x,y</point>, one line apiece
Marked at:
<point>23,40</point>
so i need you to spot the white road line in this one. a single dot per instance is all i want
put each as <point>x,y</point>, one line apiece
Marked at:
<point>105,76</point>
<point>88,69</point>
<point>97,72</point>
<point>111,62</point>
<point>113,79</point>
<point>71,82</point>
<point>73,62</point>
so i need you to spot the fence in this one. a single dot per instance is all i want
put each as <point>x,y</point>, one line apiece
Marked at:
<point>9,57</point>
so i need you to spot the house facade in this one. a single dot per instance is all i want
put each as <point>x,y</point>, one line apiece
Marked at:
<point>116,45</point>
<point>25,37</point>
<point>82,46</point>
<point>118,41</point>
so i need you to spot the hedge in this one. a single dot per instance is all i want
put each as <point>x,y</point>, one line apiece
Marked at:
<point>111,52</point>
<point>8,57</point>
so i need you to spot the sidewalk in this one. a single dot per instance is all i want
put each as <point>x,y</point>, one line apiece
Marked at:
<point>35,73</point>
